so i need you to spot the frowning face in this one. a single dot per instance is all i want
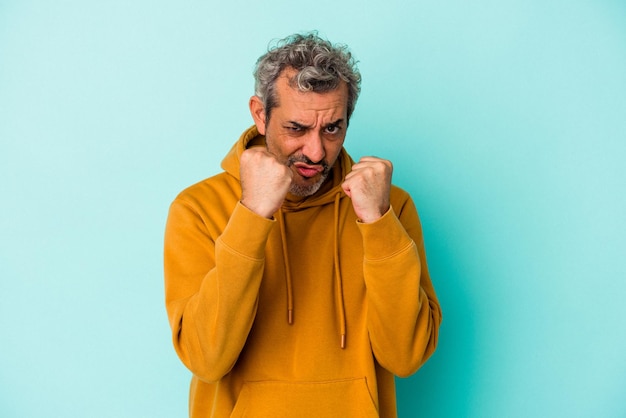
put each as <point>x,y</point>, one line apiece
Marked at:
<point>306,131</point>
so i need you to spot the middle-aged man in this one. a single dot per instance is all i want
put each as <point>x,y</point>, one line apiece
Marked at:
<point>296,280</point>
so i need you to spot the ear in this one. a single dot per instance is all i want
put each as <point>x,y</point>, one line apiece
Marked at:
<point>257,110</point>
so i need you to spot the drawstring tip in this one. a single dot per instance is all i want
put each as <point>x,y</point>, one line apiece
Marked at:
<point>343,340</point>
<point>290,316</point>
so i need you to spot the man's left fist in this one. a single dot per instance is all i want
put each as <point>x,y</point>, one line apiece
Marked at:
<point>369,186</point>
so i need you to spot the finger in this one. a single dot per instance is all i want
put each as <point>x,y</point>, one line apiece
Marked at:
<point>370,158</point>
<point>346,188</point>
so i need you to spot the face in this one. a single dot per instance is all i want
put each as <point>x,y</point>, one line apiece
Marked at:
<point>306,131</point>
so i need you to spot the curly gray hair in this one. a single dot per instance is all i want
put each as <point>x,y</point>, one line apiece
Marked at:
<point>320,67</point>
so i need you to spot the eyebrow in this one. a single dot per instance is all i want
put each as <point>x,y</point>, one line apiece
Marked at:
<point>297,125</point>
<point>335,123</point>
<point>302,126</point>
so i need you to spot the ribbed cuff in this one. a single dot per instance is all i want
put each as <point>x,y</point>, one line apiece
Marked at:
<point>246,232</point>
<point>384,238</point>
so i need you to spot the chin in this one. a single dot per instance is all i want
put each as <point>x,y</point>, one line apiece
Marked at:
<point>303,190</point>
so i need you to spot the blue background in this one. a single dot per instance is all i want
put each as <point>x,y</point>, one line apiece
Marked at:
<point>506,120</point>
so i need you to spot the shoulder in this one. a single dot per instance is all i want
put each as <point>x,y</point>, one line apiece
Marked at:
<point>207,204</point>
<point>399,197</point>
<point>220,186</point>
<point>211,197</point>
<point>404,206</point>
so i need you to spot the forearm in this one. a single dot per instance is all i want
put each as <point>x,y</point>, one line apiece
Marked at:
<point>212,288</point>
<point>403,312</point>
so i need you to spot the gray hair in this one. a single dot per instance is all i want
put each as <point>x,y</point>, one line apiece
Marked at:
<point>320,67</point>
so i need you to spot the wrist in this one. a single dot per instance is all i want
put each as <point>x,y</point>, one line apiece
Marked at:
<point>260,209</point>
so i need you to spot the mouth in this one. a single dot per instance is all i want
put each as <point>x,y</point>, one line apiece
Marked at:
<point>307,171</point>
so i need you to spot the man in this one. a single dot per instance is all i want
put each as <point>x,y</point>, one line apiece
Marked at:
<point>296,280</point>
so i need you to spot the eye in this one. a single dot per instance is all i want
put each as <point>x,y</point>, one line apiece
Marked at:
<point>294,128</point>
<point>333,129</point>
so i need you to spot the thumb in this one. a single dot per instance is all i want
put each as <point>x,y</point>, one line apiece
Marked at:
<point>346,188</point>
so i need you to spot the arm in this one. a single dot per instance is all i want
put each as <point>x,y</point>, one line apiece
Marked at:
<point>403,312</point>
<point>214,264</point>
<point>211,285</point>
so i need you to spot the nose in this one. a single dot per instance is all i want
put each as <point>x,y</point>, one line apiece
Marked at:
<point>313,147</point>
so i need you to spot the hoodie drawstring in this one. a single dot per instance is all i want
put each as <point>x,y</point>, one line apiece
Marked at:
<point>339,293</point>
<point>339,301</point>
<point>283,238</point>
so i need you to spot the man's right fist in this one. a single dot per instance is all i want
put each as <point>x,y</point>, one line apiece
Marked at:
<point>264,181</point>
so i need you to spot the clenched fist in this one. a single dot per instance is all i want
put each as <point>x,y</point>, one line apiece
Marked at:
<point>369,186</point>
<point>264,181</point>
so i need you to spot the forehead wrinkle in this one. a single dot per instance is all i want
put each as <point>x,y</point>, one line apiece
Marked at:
<point>310,109</point>
<point>318,108</point>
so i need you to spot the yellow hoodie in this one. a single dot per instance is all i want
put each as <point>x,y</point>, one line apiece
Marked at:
<point>309,314</point>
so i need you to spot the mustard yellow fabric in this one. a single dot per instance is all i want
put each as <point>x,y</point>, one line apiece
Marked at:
<point>226,296</point>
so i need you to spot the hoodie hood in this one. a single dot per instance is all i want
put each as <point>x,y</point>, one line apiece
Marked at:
<point>331,192</point>
<point>326,194</point>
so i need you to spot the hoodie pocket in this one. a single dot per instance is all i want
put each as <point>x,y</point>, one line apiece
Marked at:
<point>277,399</point>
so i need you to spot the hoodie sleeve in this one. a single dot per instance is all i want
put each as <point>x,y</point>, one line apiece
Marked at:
<point>212,284</point>
<point>403,310</point>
